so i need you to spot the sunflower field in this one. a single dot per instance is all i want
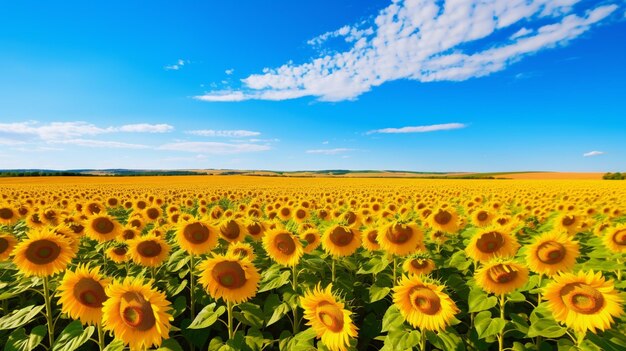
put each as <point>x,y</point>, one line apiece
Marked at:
<point>270,263</point>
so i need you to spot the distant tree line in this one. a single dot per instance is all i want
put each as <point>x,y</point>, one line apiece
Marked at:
<point>614,176</point>
<point>40,174</point>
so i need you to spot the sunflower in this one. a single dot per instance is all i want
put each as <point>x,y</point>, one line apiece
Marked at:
<point>81,294</point>
<point>241,249</point>
<point>283,247</point>
<point>196,236</point>
<point>352,219</point>
<point>152,213</point>
<point>284,213</point>
<point>482,217</point>
<point>232,230</point>
<point>67,232</point>
<point>313,239</point>
<point>615,238</point>
<point>401,239</point>
<point>43,253</point>
<point>33,220</point>
<point>8,215</point>
<point>501,277</point>
<point>341,241</point>
<point>328,318</point>
<point>7,244</point>
<point>552,252</point>
<point>418,265</point>
<point>583,301</point>
<point>148,250</point>
<point>425,306</point>
<point>117,254</point>
<point>255,228</point>
<point>444,219</point>
<point>301,214</point>
<point>369,239</point>
<point>136,313</point>
<point>102,228</point>
<point>567,222</point>
<point>231,278</point>
<point>128,233</point>
<point>491,242</point>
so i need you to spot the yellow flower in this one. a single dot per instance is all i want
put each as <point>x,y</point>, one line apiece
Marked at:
<point>148,250</point>
<point>118,254</point>
<point>7,244</point>
<point>196,236</point>
<point>341,241</point>
<point>552,252</point>
<point>369,239</point>
<point>283,247</point>
<point>491,242</point>
<point>583,301</point>
<point>501,277</point>
<point>615,238</point>
<point>328,318</point>
<point>43,253</point>
<point>425,306</point>
<point>313,239</point>
<point>102,227</point>
<point>232,230</point>
<point>231,278</point>
<point>81,294</point>
<point>401,239</point>
<point>418,265</point>
<point>243,250</point>
<point>136,313</point>
<point>444,219</point>
<point>8,215</point>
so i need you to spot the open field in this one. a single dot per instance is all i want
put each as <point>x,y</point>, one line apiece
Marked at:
<point>335,263</point>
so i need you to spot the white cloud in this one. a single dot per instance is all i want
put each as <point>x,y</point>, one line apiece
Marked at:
<point>593,153</point>
<point>146,128</point>
<point>100,144</point>
<point>214,148</point>
<point>418,129</point>
<point>229,71</point>
<point>10,142</point>
<point>426,41</point>
<point>329,151</point>
<point>178,65</point>
<point>325,142</point>
<point>224,133</point>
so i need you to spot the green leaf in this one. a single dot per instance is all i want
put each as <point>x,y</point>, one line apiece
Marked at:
<point>274,309</point>
<point>19,341</point>
<point>459,261</point>
<point>115,345</point>
<point>542,323</point>
<point>250,314</point>
<point>207,316</point>
<point>170,345</point>
<point>392,319</point>
<point>516,297</point>
<point>401,339</point>
<point>480,301</point>
<point>374,266</point>
<point>18,318</point>
<point>72,337</point>
<point>487,326</point>
<point>378,292</point>
<point>275,281</point>
<point>179,306</point>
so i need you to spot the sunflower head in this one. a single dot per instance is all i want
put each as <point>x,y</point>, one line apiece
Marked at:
<point>552,252</point>
<point>341,240</point>
<point>117,254</point>
<point>444,218</point>
<point>255,228</point>
<point>369,239</point>
<point>328,318</point>
<point>7,244</point>
<point>283,247</point>
<point>232,230</point>
<point>568,222</point>
<point>43,253</point>
<point>615,238</point>
<point>401,239</point>
<point>148,250</point>
<point>102,227</point>
<point>196,237</point>
<point>418,265</point>
<point>424,305</point>
<point>501,276</point>
<point>312,238</point>
<point>231,278</point>
<point>81,294</point>
<point>136,313</point>
<point>241,249</point>
<point>491,242</point>
<point>583,301</point>
<point>8,215</point>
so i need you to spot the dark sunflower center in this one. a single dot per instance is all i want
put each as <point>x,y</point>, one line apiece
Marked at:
<point>135,223</point>
<point>35,218</point>
<point>136,312</point>
<point>300,213</point>
<point>419,263</point>
<point>254,229</point>
<point>240,252</point>
<point>482,216</point>
<point>149,248</point>
<point>285,244</point>
<point>285,211</point>
<point>128,234</point>
<point>568,220</point>
<point>425,300</point>
<point>230,230</point>
<point>490,242</point>
<point>350,217</point>
<point>341,236</point>
<point>582,298</point>
<point>372,236</point>
<point>620,237</point>
<point>310,238</point>
<point>322,214</point>
<point>103,225</point>
<point>89,292</point>
<point>76,228</point>
<point>141,205</point>
<point>4,245</point>
<point>196,233</point>
<point>551,252</point>
<point>120,251</point>
<point>502,274</point>
<point>152,213</point>
<point>443,217</point>
<point>229,274</point>
<point>399,234</point>
<point>43,251</point>
<point>6,213</point>
<point>331,316</point>
<point>93,208</point>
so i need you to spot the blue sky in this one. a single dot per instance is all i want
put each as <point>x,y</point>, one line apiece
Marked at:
<point>284,85</point>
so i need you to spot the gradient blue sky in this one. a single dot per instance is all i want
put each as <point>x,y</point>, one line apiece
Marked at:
<point>302,85</point>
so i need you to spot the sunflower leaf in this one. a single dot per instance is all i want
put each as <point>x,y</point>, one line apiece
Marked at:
<point>487,326</point>
<point>542,323</point>
<point>19,318</point>
<point>170,345</point>
<point>207,316</point>
<point>72,337</point>
<point>19,341</point>
<point>275,282</point>
<point>479,300</point>
<point>392,319</point>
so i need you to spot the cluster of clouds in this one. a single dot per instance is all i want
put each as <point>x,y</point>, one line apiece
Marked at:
<point>425,41</point>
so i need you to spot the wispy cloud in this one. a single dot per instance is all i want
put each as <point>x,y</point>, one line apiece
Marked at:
<point>100,144</point>
<point>425,41</point>
<point>593,153</point>
<point>418,129</point>
<point>214,148</point>
<point>178,65</point>
<point>224,133</point>
<point>65,130</point>
<point>335,151</point>
<point>10,142</point>
<point>145,128</point>
<point>229,71</point>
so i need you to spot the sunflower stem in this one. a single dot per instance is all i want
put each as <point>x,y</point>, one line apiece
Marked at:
<point>294,284</point>
<point>101,344</point>
<point>333,270</point>
<point>395,268</point>
<point>48,302</point>
<point>501,335</point>
<point>229,309</point>
<point>192,306</point>
<point>422,339</point>
<point>539,286</point>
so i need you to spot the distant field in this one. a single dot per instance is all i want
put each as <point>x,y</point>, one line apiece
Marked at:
<point>554,175</point>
